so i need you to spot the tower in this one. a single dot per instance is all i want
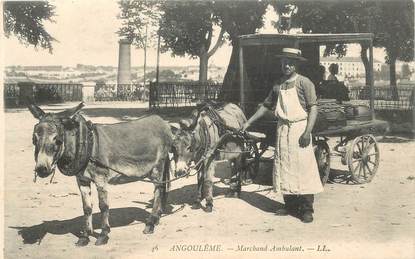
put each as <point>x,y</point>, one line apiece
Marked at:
<point>124,62</point>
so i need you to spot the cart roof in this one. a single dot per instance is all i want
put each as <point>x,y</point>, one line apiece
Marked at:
<point>281,39</point>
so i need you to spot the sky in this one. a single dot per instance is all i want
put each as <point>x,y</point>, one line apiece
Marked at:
<point>86,34</point>
<point>86,31</point>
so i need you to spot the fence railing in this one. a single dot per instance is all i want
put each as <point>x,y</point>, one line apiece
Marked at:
<point>174,94</point>
<point>385,98</point>
<point>17,94</point>
<point>11,94</point>
<point>58,92</point>
<point>171,94</point>
<point>121,92</point>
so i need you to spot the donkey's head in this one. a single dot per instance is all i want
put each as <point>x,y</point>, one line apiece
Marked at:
<point>187,142</point>
<point>182,147</point>
<point>48,137</point>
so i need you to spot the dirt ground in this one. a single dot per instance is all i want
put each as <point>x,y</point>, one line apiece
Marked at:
<point>375,220</point>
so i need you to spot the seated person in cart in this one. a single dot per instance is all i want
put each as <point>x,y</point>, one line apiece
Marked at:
<point>295,173</point>
<point>332,88</point>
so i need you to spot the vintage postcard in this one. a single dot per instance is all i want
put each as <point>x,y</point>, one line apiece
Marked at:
<point>208,129</point>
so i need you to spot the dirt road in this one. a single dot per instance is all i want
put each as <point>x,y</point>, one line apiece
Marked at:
<point>375,220</point>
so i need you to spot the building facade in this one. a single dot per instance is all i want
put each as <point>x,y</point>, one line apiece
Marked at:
<point>349,66</point>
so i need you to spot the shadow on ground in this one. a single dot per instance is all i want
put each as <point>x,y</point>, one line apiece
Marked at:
<point>341,177</point>
<point>119,217</point>
<point>187,195</point>
<point>397,138</point>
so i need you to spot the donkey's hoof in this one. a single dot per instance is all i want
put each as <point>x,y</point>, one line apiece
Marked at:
<point>82,241</point>
<point>209,208</point>
<point>196,205</point>
<point>102,240</point>
<point>149,229</point>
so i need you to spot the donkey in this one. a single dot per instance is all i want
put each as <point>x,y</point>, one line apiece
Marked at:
<point>205,129</point>
<point>104,154</point>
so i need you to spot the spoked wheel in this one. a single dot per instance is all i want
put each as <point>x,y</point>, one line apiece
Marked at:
<point>322,153</point>
<point>363,158</point>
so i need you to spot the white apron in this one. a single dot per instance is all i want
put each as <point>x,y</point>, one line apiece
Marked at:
<point>295,168</point>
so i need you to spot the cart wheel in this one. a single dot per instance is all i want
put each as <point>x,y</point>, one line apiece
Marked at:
<point>322,153</point>
<point>363,158</point>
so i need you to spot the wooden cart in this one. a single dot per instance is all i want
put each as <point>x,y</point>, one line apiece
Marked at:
<point>259,68</point>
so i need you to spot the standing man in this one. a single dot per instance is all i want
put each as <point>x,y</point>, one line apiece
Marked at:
<point>295,173</point>
<point>334,70</point>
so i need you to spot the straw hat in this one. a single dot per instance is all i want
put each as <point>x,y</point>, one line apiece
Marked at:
<point>292,53</point>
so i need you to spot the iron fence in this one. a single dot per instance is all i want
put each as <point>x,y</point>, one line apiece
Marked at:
<point>121,92</point>
<point>11,94</point>
<point>172,94</point>
<point>44,93</point>
<point>175,94</point>
<point>17,94</point>
<point>385,98</point>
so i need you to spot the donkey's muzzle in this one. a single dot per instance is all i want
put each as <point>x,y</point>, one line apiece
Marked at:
<point>42,171</point>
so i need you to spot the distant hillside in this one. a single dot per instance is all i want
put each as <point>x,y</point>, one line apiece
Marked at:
<point>108,74</point>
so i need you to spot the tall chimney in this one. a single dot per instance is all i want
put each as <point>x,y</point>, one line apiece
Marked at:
<point>124,62</point>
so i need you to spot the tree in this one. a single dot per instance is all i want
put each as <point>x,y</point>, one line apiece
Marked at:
<point>392,22</point>
<point>396,34</point>
<point>237,18</point>
<point>25,20</point>
<point>185,26</point>
<point>332,17</point>
<point>187,29</point>
<point>135,15</point>
<point>165,75</point>
<point>191,34</point>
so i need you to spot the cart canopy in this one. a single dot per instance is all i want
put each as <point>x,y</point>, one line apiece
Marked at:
<point>261,68</point>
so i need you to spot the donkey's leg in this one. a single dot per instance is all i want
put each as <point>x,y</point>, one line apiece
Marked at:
<point>208,187</point>
<point>198,203</point>
<point>235,183</point>
<point>87,228</point>
<point>154,217</point>
<point>104,208</point>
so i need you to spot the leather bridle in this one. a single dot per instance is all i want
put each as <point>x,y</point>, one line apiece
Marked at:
<point>57,155</point>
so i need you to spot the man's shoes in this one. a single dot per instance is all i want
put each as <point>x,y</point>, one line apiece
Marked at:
<point>282,212</point>
<point>285,212</point>
<point>307,217</point>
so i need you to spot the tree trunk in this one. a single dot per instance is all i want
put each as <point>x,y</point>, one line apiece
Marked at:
<point>392,73</point>
<point>203,71</point>
<point>230,86</point>
<point>204,56</point>
<point>203,66</point>
<point>365,60</point>
<point>145,59</point>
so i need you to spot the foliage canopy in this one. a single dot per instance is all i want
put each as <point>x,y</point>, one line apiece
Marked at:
<point>25,20</point>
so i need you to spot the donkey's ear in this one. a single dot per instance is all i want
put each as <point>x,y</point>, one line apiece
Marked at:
<point>69,113</point>
<point>175,127</point>
<point>185,123</point>
<point>36,111</point>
